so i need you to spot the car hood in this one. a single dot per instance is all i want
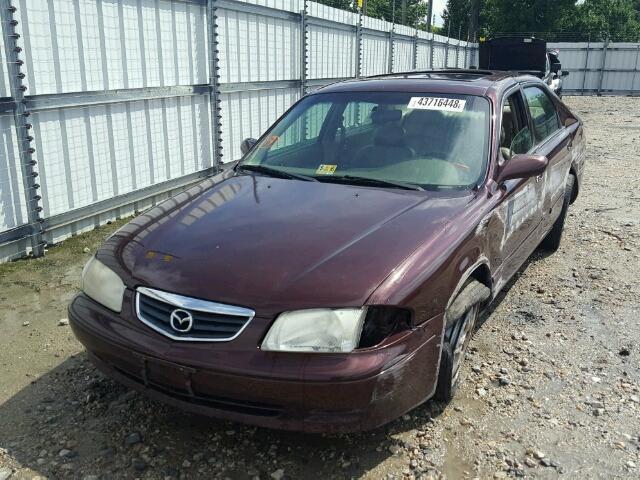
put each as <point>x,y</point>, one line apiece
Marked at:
<point>276,244</point>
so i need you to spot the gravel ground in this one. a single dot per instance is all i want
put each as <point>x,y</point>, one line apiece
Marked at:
<point>551,384</point>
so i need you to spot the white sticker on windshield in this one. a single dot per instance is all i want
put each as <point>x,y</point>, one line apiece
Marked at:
<point>437,103</point>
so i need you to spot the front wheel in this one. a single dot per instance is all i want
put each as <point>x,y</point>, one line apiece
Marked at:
<point>457,337</point>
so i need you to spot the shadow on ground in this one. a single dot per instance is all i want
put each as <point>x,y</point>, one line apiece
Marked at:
<point>73,422</point>
<point>537,256</point>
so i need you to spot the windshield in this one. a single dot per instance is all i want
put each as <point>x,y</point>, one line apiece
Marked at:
<point>427,140</point>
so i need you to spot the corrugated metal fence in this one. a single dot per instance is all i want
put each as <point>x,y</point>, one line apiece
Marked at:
<point>600,67</point>
<point>111,105</point>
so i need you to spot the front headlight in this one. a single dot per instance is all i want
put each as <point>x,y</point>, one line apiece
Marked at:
<point>102,284</point>
<point>317,330</point>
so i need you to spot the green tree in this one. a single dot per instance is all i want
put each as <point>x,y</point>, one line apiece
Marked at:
<point>457,16</point>
<point>522,16</point>
<point>619,19</point>
<point>384,9</point>
<point>341,4</point>
<point>474,20</point>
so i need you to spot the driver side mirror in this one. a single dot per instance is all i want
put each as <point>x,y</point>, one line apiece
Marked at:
<point>564,73</point>
<point>523,165</point>
<point>247,144</point>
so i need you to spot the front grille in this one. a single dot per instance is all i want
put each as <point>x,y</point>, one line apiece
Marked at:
<point>209,321</point>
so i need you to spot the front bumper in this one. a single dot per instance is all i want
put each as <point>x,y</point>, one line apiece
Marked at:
<point>237,381</point>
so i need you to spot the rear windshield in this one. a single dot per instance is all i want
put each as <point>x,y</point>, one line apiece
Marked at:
<point>431,140</point>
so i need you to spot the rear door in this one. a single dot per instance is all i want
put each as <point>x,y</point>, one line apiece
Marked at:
<point>552,140</point>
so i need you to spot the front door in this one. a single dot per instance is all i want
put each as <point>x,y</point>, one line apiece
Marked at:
<point>522,202</point>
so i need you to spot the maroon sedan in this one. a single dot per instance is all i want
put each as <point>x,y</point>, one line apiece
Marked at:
<point>331,279</point>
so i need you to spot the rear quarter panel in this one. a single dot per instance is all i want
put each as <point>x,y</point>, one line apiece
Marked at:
<point>578,155</point>
<point>579,142</point>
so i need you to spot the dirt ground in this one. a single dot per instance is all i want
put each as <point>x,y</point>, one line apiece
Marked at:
<point>551,385</point>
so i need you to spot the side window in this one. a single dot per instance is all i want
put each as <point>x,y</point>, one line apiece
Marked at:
<point>357,114</point>
<point>306,127</point>
<point>543,113</point>
<point>515,136</point>
<point>522,142</point>
<point>315,119</point>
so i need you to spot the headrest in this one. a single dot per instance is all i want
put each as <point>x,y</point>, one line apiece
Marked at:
<point>381,116</point>
<point>390,136</point>
<point>507,120</point>
<point>416,122</point>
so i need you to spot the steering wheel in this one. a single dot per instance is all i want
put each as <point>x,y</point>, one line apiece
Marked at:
<point>353,160</point>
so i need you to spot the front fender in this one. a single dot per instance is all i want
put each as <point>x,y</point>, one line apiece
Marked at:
<point>427,280</point>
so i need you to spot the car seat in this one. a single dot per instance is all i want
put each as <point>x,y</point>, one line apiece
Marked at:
<point>427,133</point>
<point>389,142</point>
<point>506,134</point>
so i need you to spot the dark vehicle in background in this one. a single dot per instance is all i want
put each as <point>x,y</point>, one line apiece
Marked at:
<point>332,278</point>
<point>524,55</point>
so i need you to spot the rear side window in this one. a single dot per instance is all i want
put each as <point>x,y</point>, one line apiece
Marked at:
<point>543,113</point>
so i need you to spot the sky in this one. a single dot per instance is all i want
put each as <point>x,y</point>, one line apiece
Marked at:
<point>438,7</point>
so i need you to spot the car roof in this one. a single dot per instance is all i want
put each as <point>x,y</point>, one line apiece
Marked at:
<point>457,81</point>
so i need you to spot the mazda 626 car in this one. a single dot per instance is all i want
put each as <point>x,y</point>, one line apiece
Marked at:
<point>330,280</point>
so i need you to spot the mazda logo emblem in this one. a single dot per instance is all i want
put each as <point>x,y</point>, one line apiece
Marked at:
<point>181,321</point>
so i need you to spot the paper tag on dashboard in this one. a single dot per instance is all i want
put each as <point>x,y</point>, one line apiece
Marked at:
<point>437,103</point>
<point>326,169</point>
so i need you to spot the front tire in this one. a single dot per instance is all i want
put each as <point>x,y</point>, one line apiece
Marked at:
<point>458,334</point>
<point>551,242</point>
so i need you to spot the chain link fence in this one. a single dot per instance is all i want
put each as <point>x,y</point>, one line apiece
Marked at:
<point>598,68</point>
<point>598,35</point>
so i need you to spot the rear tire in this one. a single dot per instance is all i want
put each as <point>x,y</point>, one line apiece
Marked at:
<point>551,242</point>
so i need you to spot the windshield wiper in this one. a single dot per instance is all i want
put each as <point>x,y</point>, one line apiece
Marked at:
<point>274,172</point>
<point>355,180</point>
